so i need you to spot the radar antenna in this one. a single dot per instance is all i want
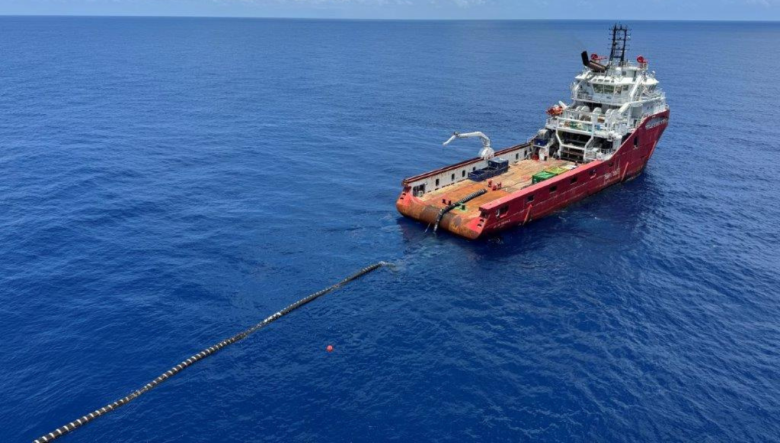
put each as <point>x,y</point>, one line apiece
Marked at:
<point>620,38</point>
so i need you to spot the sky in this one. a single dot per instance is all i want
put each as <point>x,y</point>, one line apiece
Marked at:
<point>765,10</point>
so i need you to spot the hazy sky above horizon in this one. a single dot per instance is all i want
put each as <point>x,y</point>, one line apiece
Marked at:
<point>417,9</point>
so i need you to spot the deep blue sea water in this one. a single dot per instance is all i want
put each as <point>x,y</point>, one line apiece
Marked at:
<point>165,183</point>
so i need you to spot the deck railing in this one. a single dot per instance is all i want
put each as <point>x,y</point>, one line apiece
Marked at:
<point>600,129</point>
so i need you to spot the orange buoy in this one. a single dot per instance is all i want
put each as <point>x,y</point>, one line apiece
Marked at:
<point>329,348</point>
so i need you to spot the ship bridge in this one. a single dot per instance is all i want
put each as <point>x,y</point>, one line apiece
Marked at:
<point>610,98</point>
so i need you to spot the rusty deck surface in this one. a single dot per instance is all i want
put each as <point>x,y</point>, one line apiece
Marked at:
<point>516,178</point>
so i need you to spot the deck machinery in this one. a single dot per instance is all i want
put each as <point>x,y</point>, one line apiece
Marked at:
<point>604,136</point>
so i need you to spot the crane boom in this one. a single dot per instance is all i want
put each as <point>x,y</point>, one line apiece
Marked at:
<point>487,151</point>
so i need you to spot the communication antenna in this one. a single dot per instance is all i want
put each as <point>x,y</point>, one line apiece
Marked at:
<point>620,37</point>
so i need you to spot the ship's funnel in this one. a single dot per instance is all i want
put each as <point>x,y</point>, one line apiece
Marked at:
<point>593,65</point>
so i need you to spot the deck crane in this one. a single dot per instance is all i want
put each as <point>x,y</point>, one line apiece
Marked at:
<point>486,153</point>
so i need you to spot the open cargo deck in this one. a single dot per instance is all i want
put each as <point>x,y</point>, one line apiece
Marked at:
<point>433,197</point>
<point>519,176</point>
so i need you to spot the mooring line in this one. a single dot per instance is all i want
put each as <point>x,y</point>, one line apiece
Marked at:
<point>72,426</point>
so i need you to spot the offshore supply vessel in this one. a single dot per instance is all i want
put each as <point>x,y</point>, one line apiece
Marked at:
<point>604,136</point>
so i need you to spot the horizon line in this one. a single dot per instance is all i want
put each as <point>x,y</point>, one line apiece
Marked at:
<point>386,19</point>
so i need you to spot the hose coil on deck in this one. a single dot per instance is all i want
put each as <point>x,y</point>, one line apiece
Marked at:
<point>72,426</point>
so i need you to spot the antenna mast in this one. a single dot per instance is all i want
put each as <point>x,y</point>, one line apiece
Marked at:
<point>620,39</point>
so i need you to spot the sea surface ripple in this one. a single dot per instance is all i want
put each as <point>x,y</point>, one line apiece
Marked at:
<point>164,183</point>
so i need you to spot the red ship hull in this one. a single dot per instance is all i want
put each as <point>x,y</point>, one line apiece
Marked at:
<point>500,211</point>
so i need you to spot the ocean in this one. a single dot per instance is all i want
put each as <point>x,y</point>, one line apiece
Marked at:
<point>165,183</point>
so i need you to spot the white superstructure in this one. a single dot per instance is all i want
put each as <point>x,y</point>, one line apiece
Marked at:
<point>609,101</point>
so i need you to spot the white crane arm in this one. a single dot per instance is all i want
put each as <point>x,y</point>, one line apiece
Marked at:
<point>486,152</point>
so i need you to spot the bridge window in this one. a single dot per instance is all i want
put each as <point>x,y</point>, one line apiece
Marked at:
<point>502,211</point>
<point>530,198</point>
<point>574,180</point>
<point>437,182</point>
<point>636,141</point>
<point>592,173</point>
<point>463,173</point>
<point>553,189</point>
<point>453,177</point>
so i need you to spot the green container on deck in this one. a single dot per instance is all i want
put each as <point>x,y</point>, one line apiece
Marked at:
<point>555,171</point>
<point>541,176</point>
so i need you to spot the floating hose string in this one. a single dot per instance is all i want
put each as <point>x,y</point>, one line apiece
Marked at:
<point>70,427</point>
